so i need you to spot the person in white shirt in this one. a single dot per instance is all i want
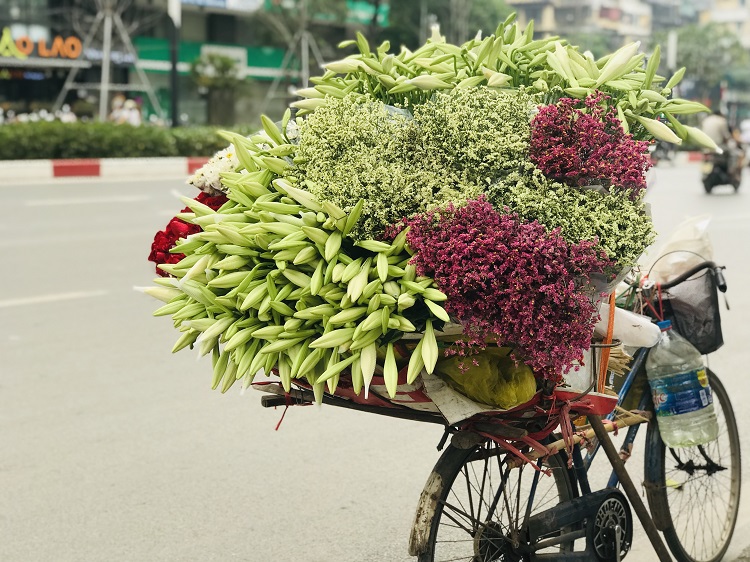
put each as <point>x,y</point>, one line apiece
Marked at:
<point>131,113</point>
<point>717,128</point>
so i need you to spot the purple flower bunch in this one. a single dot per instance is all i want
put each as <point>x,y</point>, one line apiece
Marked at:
<point>510,282</point>
<point>582,142</point>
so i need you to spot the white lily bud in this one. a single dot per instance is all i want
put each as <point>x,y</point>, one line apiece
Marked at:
<point>658,129</point>
<point>617,63</point>
<point>699,137</point>
<point>343,66</point>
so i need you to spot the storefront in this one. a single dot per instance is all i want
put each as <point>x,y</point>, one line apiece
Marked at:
<point>38,52</point>
<point>34,65</point>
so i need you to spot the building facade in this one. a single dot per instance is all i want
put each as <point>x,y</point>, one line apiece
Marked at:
<point>734,15</point>
<point>43,42</point>
<point>616,21</point>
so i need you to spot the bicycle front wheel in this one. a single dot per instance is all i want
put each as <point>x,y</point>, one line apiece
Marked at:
<point>694,492</point>
<point>484,501</point>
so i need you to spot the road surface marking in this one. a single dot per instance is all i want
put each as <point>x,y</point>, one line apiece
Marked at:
<point>55,297</point>
<point>146,232</point>
<point>87,200</point>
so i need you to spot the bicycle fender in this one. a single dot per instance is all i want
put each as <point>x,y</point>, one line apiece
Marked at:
<point>428,500</point>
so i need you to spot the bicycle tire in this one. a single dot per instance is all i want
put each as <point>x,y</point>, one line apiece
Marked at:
<point>486,536</point>
<point>676,505</point>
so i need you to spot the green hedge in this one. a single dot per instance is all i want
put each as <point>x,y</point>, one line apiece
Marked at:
<point>24,141</point>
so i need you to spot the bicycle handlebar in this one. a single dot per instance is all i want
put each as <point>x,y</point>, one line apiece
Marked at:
<point>721,283</point>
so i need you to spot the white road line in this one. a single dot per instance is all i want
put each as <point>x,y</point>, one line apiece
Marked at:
<point>50,182</point>
<point>87,200</point>
<point>55,297</point>
<point>85,238</point>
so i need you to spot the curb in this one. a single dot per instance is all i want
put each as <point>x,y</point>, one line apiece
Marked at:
<point>144,168</point>
<point>689,156</point>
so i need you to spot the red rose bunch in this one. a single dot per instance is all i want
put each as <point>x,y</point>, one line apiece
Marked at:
<point>166,239</point>
<point>510,281</point>
<point>583,142</point>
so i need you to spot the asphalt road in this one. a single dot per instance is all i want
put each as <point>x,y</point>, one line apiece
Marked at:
<point>113,449</point>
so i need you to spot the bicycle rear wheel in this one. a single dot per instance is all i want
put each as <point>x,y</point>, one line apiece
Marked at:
<point>483,503</point>
<point>694,492</point>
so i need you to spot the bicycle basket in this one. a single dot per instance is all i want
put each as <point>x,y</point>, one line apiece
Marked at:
<point>693,308</point>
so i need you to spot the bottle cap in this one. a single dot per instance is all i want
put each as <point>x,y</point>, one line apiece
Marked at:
<point>664,325</point>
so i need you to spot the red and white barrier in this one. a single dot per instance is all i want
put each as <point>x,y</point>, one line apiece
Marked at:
<point>143,168</point>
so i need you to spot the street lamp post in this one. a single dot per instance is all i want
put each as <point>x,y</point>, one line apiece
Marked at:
<point>175,14</point>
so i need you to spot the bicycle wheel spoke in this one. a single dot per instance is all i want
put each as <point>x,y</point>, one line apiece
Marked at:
<point>463,509</point>
<point>456,521</point>
<point>700,487</point>
<point>480,515</point>
<point>485,472</point>
<point>454,527</point>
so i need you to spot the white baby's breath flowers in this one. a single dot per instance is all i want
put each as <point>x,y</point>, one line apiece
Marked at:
<point>292,131</point>
<point>208,178</point>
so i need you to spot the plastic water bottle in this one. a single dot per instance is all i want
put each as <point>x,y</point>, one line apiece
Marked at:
<point>679,386</point>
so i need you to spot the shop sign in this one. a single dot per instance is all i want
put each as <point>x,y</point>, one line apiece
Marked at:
<point>235,5</point>
<point>237,54</point>
<point>23,47</point>
<point>16,74</point>
<point>117,57</point>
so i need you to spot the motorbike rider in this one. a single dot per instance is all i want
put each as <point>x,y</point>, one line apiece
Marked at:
<point>716,127</point>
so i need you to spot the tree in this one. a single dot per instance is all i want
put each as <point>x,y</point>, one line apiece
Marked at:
<point>710,53</point>
<point>219,79</point>
<point>459,20</point>
<point>599,43</point>
<point>283,19</point>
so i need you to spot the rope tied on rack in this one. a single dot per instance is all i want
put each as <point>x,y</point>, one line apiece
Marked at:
<point>289,402</point>
<point>585,441</point>
<point>566,428</point>
<point>648,302</point>
<point>613,423</point>
<point>542,451</point>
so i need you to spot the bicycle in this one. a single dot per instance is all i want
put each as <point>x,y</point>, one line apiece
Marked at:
<point>486,498</point>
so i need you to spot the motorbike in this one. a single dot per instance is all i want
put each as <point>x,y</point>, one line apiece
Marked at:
<point>722,168</point>
<point>661,151</point>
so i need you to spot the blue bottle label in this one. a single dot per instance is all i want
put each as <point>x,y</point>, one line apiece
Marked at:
<point>681,393</point>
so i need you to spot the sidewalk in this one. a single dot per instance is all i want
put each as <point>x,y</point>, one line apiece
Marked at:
<point>30,170</point>
<point>177,167</point>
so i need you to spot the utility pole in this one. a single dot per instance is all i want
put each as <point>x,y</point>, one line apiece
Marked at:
<point>672,55</point>
<point>106,61</point>
<point>304,47</point>
<point>307,44</point>
<point>423,26</point>
<point>460,10</point>
<point>175,13</point>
